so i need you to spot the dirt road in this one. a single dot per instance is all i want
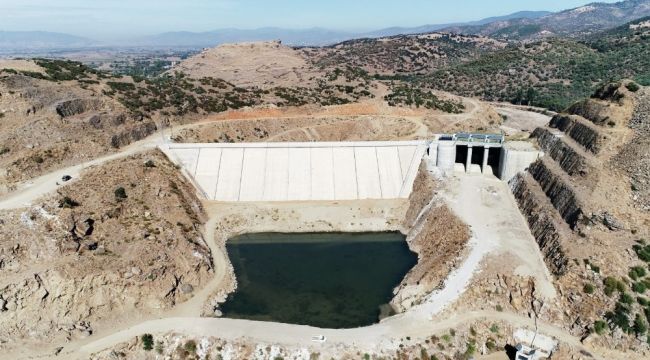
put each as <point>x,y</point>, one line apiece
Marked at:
<point>385,334</point>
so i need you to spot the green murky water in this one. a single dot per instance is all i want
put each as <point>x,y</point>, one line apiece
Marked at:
<point>328,280</point>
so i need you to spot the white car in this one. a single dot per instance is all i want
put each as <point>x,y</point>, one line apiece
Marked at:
<point>319,338</point>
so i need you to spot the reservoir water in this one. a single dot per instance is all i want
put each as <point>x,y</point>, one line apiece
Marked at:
<point>328,280</point>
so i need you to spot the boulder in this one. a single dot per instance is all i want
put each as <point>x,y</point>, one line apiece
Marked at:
<point>187,288</point>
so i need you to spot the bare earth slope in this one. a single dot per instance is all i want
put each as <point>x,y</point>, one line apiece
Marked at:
<point>92,254</point>
<point>264,65</point>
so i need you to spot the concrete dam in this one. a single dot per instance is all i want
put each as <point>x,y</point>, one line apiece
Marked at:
<point>313,171</point>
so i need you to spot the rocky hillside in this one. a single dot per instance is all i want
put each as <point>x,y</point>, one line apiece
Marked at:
<point>122,241</point>
<point>581,21</point>
<point>47,123</point>
<point>581,206</point>
<point>403,54</point>
<point>551,73</point>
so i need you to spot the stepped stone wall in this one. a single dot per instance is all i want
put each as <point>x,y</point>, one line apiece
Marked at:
<point>569,159</point>
<point>577,128</point>
<point>561,194</point>
<point>545,227</point>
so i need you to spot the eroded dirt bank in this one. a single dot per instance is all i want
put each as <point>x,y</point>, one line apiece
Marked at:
<point>436,234</point>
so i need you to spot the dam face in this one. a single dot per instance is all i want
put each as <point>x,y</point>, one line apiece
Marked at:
<point>301,171</point>
<point>330,171</point>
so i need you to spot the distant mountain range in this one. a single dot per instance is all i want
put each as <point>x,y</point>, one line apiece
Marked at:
<point>517,26</point>
<point>581,21</point>
<point>306,37</point>
<point>41,39</point>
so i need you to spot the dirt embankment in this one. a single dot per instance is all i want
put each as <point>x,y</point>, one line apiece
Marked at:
<point>304,129</point>
<point>122,241</point>
<point>436,234</point>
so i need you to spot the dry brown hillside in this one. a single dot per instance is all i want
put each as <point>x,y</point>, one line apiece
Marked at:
<point>46,125</point>
<point>120,243</point>
<point>263,64</point>
<point>403,54</point>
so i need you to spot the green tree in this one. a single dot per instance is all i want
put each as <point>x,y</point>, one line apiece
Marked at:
<point>147,342</point>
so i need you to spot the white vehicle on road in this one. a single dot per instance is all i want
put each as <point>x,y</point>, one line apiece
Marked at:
<point>319,338</point>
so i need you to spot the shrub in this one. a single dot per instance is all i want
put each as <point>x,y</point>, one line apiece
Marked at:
<point>640,325</point>
<point>499,308</point>
<point>633,87</point>
<point>190,346</point>
<point>639,287</point>
<point>471,349</point>
<point>4,150</point>
<point>149,164</point>
<point>588,289</point>
<point>121,86</point>
<point>120,193</point>
<point>423,354</point>
<point>642,301</point>
<point>637,272</point>
<point>494,328</point>
<point>67,203</point>
<point>610,285</point>
<point>600,327</point>
<point>626,298</point>
<point>147,342</point>
<point>619,317</point>
<point>490,344</point>
<point>643,252</point>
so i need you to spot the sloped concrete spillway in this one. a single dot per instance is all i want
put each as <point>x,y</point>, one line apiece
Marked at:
<point>301,171</point>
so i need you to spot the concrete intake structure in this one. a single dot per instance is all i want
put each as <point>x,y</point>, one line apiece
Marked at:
<point>486,154</point>
<point>301,171</point>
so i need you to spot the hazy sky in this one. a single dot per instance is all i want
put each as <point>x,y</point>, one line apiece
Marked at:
<point>106,19</point>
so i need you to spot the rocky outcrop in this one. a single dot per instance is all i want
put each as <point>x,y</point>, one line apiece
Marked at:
<point>569,158</point>
<point>78,106</point>
<point>544,224</point>
<point>559,191</point>
<point>580,130</point>
<point>103,120</point>
<point>138,132</point>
